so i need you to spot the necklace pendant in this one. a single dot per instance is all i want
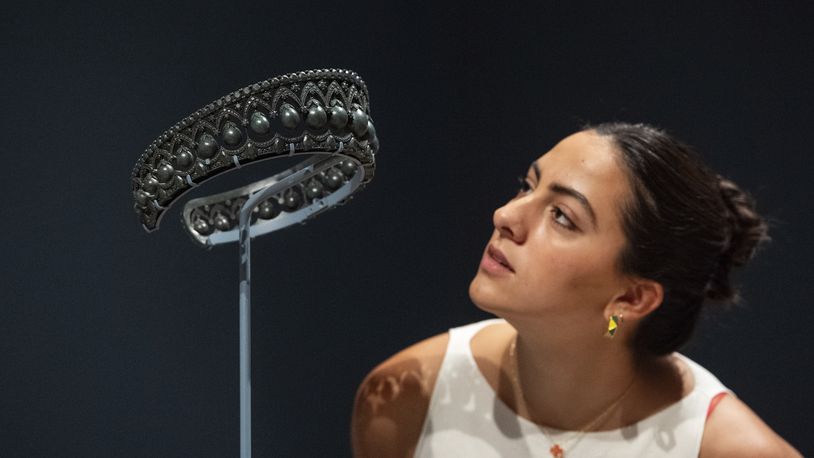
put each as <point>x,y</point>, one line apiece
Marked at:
<point>557,451</point>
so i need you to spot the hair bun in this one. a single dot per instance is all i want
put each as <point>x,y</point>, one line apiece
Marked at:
<point>747,229</point>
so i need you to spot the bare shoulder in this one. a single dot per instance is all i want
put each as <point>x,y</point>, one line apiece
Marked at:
<point>392,400</point>
<point>734,430</point>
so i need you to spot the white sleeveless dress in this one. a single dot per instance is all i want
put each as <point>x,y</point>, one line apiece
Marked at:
<point>466,418</point>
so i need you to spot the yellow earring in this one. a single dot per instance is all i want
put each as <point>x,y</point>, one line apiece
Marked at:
<point>613,325</point>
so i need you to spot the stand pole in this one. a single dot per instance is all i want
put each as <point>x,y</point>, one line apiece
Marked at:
<point>245,337</point>
<point>254,199</point>
<point>245,303</point>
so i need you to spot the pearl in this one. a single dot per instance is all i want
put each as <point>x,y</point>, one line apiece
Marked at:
<point>289,116</point>
<point>292,199</point>
<point>222,222</point>
<point>268,209</point>
<point>231,134</point>
<point>359,123</point>
<point>333,179</point>
<point>260,123</point>
<point>207,146</point>
<point>313,189</point>
<point>347,167</point>
<point>339,117</point>
<point>165,172</point>
<point>316,117</point>
<point>150,184</point>
<point>202,227</point>
<point>184,158</point>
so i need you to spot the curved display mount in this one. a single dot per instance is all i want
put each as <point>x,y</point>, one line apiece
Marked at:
<point>297,194</point>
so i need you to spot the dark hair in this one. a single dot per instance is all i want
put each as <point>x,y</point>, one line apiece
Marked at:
<point>686,227</point>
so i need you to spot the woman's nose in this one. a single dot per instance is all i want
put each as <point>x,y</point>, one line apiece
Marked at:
<point>509,221</point>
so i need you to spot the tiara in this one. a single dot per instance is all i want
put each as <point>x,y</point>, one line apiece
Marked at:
<point>323,114</point>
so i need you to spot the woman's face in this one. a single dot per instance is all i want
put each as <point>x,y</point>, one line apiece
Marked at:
<point>559,249</point>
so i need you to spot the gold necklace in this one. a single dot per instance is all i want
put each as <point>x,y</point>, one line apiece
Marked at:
<point>557,450</point>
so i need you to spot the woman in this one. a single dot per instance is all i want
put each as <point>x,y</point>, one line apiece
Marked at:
<point>597,270</point>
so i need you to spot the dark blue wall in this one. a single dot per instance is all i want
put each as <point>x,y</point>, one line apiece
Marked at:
<point>114,342</point>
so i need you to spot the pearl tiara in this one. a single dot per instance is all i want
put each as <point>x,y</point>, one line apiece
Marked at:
<point>323,114</point>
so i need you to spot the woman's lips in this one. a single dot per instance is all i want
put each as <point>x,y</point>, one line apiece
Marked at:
<point>494,261</point>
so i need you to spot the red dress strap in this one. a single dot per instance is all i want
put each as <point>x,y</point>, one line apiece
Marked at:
<point>714,402</point>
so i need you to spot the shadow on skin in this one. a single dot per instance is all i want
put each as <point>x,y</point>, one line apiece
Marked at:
<point>393,401</point>
<point>390,407</point>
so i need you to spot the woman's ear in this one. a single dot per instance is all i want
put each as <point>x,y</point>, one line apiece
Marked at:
<point>641,297</point>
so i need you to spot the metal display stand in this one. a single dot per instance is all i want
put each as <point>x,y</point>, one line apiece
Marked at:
<point>258,193</point>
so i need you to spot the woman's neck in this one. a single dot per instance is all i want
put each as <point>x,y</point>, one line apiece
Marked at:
<point>566,381</point>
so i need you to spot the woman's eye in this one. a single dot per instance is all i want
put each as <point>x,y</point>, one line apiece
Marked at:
<point>561,219</point>
<point>524,185</point>
<point>559,216</point>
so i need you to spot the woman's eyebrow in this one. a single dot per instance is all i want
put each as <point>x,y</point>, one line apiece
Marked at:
<point>559,188</point>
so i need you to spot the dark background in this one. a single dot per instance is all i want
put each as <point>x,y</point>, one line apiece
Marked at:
<point>114,342</point>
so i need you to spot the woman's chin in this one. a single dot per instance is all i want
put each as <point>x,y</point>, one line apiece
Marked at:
<point>484,297</point>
